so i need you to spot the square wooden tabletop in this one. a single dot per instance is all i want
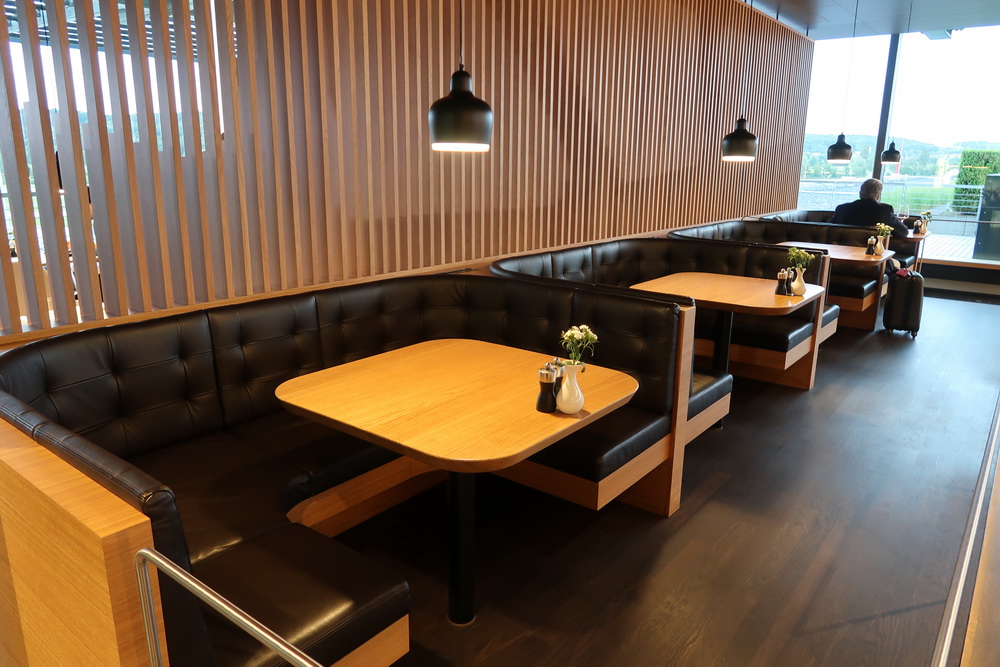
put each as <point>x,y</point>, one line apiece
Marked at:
<point>457,404</point>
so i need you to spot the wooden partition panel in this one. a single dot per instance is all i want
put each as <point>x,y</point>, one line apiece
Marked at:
<point>272,144</point>
<point>68,590</point>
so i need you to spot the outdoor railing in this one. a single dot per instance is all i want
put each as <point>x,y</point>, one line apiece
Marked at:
<point>955,203</point>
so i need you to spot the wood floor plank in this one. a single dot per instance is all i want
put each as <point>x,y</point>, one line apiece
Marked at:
<point>816,528</point>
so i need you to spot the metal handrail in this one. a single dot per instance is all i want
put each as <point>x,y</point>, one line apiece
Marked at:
<point>243,620</point>
<point>987,473</point>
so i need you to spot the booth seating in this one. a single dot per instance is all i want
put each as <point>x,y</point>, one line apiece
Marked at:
<point>177,417</point>
<point>906,249</point>
<point>781,349</point>
<point>856,288</point>
<point>800,226</point>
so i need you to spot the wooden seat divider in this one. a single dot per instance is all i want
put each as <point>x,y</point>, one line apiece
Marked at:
<point>651,480</point>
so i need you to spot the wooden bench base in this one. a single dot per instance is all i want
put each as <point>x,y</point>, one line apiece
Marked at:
<point>860,313</point>
<point>794,368</point>
<point>346,505</point>
<point>590,494</point>
<point>385,648</point>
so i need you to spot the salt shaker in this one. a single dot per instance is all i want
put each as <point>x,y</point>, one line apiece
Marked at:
<point>871,246</point>
<point>546,396</point>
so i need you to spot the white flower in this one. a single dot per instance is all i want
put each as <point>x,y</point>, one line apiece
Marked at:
<point>576,339</point>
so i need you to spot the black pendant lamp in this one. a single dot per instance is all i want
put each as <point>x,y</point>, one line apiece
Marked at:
<point>740,145</point>
<point>840,152</point>
<point>890,155</point>
<point>460,121</point>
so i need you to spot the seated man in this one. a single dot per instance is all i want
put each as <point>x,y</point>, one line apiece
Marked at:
<point>868,211</point>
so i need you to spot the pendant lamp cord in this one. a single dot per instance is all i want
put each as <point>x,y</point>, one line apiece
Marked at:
<point>461,38</point>
<point>854,36</point>
<point>746,64</point>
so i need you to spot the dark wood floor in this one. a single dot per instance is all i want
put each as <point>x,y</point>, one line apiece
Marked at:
<point>816,528</point>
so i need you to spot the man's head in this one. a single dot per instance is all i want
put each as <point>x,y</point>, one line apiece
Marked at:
<point>871,189</point>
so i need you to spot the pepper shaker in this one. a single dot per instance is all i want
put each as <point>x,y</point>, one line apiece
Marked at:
<point>556,367</point>
<point>782,288</point>
<point>546,396</point>
<point>789,277</point>
<point>871,246</point>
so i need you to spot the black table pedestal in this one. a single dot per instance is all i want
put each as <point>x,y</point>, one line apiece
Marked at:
<point>462,546</point>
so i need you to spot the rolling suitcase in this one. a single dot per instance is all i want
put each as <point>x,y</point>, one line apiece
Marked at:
<point>903,302</point>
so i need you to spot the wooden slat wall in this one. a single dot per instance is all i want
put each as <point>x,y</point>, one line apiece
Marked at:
<point>308,159</point>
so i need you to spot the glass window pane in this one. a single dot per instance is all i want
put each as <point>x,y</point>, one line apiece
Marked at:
<point>944,122</point>
<point>845,97</point>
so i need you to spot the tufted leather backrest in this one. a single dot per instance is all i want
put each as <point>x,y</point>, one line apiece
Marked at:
<point>575,264</point>
<point>800,215</point>
<point>538,264</point>
<point>706,256</point>
<point>617,263</point>
<point>636,335</point>
<point>361,320</point>
<point>130,388</point>
<point>258,346</point>
<point>765,262</point>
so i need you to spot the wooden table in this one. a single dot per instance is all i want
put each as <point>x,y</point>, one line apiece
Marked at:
<point>843,253</point>
<point>465,406</point>
<point>730,294</point>
<point>857,313</point>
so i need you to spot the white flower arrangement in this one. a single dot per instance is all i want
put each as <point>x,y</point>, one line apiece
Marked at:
<point>577,339</point>
<point>883,230</point>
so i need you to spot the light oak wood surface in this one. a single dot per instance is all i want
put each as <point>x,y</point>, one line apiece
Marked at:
<point>460,405</point>
<point>844,253</point>
<point>68,591</point>
<point>301,156</point>
<point>739,294</point>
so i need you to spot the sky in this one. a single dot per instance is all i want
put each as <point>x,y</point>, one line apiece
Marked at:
<point>947,90</point>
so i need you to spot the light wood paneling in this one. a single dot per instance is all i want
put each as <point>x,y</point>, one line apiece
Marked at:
<point>291,145</point>
<point>68,593</point>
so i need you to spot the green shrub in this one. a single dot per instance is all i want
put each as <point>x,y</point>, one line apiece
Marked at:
<point>973,168</point>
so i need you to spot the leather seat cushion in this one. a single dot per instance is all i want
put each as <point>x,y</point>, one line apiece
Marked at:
<point>856,287</point>
<point>778,333</point>
<point>906,261</point>
<point>318,594</point>
<point>227,491</point>
<point>326,457</point>
<point>830,313</point>
<point>604,446</point>
<point>707,387</point>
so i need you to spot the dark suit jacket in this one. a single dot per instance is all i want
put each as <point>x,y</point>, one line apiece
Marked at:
<point>868,213</point>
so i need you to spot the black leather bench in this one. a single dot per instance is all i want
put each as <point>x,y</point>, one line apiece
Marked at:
<point>777,349</point>
<point>178,417</point>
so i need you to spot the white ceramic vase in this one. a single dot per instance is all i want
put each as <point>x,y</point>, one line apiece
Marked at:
<point>799,284</point>
<point>879,248</point>
<point>569,400</point>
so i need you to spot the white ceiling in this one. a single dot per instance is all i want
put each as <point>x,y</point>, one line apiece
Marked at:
<point>831,19</point>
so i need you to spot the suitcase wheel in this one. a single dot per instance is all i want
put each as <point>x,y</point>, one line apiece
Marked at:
<point>913,334</point>
<point>888,332</point>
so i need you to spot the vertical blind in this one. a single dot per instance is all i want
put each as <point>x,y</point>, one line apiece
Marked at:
<point>162,153</point>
